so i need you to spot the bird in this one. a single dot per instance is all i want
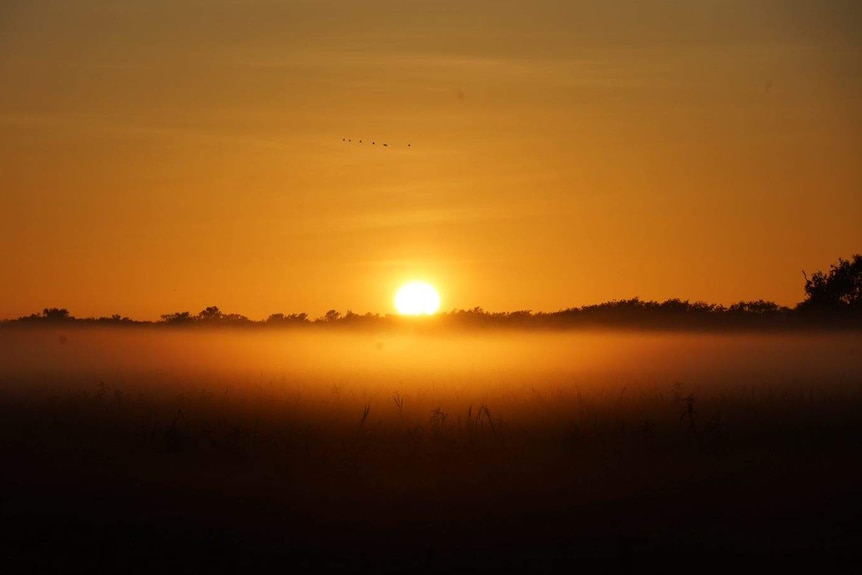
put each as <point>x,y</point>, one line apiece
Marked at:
<point>373,143</point>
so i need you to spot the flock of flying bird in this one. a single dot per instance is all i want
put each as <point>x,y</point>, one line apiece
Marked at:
<point>349,141</point>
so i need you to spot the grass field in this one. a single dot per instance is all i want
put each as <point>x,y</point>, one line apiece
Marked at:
<point>611,451</point>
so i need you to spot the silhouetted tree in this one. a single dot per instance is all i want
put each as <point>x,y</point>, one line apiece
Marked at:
<point>840,289</point>
<point>56,314</point>
<point>759,307</point>
<point>211,313</point>
<point>351,317</point>
<point>179,317</point>
<point>675,306</point>
<point>32,317</point>
<point>521,315</point>
<point>115,318</point>
<point>331,316</point>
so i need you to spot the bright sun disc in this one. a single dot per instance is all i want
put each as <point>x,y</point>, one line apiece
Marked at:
<point>417,298</point>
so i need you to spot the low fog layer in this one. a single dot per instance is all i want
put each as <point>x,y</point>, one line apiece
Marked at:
<point>386,362</point>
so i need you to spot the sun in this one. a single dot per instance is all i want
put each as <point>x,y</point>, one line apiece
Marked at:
<point>417,298</point>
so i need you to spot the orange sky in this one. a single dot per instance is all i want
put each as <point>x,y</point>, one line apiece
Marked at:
<point>165,155</point>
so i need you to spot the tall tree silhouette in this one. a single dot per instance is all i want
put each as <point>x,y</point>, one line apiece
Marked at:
<point>331,316</point>
<point>840,289</point>
<point>211,313</point>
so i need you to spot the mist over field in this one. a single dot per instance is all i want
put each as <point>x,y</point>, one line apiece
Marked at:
<point>340,450</point>
<point>467,361</point>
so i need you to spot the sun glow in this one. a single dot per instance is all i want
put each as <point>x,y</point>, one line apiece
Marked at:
<point>417,298</point>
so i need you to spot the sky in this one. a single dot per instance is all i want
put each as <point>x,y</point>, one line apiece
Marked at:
<point>167,155</point>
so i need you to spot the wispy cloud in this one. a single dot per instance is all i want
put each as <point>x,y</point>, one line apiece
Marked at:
<point>407,218</point>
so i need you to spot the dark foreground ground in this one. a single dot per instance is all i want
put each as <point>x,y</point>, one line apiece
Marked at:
<point>664,480</point>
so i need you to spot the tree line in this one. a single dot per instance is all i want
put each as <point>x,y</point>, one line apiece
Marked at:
<point>833,298</point>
